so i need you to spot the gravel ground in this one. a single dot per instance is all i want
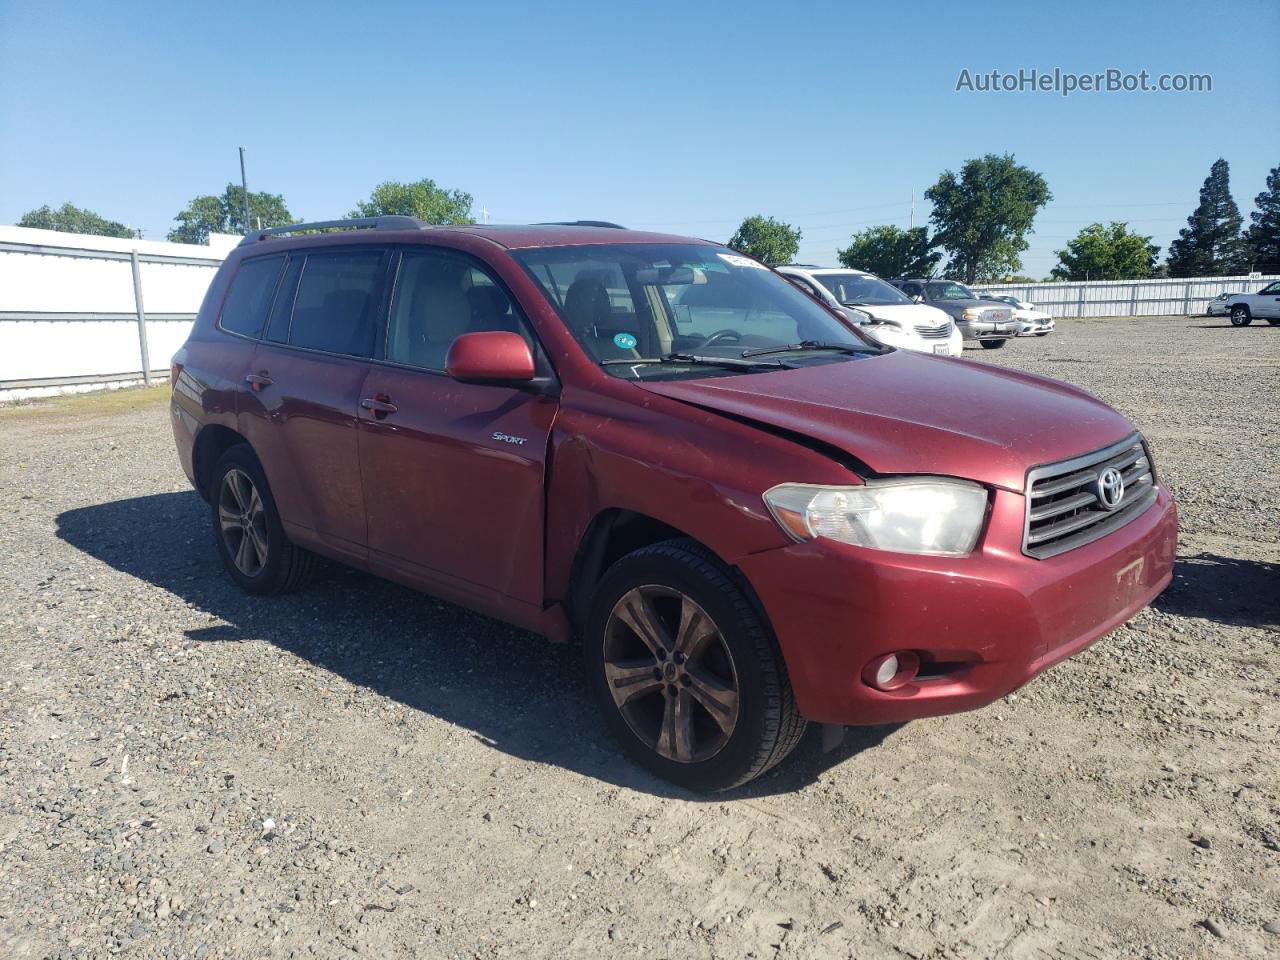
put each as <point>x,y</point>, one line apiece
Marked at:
<point>186,771</point>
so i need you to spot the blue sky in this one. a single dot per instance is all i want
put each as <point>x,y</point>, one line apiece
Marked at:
<point>676,116</point>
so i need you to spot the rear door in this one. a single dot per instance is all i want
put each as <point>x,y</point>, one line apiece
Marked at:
<point>453,472</point>
<point>307,375</point>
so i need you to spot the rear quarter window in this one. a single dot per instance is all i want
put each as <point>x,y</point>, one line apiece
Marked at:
<point>245,309</point>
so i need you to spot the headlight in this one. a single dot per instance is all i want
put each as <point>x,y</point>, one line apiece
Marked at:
<point>929,515</point>
<point>972,313</point>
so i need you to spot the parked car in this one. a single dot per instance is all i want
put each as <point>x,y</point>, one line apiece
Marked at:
<point>1031,322</point>
<point>891,316</point>
<point>981,321</point>
<point>1265,304</point>
<point>749,513</point>
<point>1219,306</point>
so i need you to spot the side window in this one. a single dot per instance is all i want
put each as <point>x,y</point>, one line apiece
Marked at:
<point>337,296</point>
<point>913,289</point>
<point>245,309</point>
<point>438,297</point>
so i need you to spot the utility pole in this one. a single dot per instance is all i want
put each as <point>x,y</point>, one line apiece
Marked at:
<point>913,208</point>
<point>244,186</point>
<point>484,214</point>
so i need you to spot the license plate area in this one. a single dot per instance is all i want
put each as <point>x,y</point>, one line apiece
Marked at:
<point>941,348</point>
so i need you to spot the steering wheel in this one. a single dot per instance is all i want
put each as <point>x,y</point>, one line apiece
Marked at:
<point>731,335</point>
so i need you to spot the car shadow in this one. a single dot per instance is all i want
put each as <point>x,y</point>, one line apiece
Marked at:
<point>515,691</point>
<point>1228,590</point>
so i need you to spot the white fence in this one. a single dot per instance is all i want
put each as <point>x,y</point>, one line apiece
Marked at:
<point>1127,298</point>
<point>79,311</point>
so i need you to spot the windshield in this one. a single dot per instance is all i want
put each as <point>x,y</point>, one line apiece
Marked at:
<point>950,290</point>
<point>857,289</point>
<point>663,311</point>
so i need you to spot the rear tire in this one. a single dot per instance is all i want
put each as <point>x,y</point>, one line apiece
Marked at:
<point>992,344</point>
<point>686,671</point>
<point>1240,316</point>
<point>247,531</point>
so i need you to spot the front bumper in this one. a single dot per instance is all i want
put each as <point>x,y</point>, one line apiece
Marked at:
<point>983,625</point>
<point>987,329</point>
<point>1030,328</point>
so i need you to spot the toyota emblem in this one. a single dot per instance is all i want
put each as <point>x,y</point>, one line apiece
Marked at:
<point>1110,488</point>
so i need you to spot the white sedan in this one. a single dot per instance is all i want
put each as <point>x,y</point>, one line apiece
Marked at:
<point>1031,322</point>
<point>884,312</point>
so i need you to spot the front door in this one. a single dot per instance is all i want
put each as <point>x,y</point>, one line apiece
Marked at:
<point>453,473</point>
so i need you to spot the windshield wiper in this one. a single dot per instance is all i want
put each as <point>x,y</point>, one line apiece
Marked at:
<point>731,363</point>
<point>804,345</point>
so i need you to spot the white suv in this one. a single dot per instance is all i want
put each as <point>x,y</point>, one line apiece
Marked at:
<point>895,319</point>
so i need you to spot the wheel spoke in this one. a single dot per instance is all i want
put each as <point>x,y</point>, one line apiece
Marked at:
<point>636,611</point>
<point>243,553</point>
<point>696,629</point>
<point>629,679</point>
<point>717,697</point>
<point>255,503</point>
<point>228,519</point>
<point>232,484</point>
<point>675,740</point>
<point>259,543</point>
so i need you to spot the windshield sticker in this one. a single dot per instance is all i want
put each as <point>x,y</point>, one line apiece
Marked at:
<point>624,341</point>
<point>736,261</point>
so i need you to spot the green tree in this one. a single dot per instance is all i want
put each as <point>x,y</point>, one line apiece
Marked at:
<point>421,199</point>
<point>71,219</point>
<point>208,214</point>
<point>1107,253</point>
<point>1264,232</point>
<point>890,251</point>
<point>766,239</point>
<point>981,218</point>
<point>1211,243</point>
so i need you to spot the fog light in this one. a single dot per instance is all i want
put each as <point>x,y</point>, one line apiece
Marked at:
<point>892,670</point>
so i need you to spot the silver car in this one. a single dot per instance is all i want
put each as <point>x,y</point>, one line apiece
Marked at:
<point>1218,306</point>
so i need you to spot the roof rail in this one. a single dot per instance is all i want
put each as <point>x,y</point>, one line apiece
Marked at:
<point>370,223</point>
<point>580,223</point>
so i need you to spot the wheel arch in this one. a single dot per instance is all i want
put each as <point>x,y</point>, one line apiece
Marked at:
<point>211,443</point>
<point>615,532</point>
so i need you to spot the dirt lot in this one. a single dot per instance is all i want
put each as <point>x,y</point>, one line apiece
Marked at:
<point>189,772</point>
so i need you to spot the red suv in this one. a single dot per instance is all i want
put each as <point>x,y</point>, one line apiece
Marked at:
<point>749,514</point>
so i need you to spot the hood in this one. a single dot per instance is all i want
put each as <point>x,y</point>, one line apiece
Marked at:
<point>905,412</point>
<point>908,314</point>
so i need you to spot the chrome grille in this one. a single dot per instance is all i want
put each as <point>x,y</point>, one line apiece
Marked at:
<point>935,333</point>
<point>1063,509</point>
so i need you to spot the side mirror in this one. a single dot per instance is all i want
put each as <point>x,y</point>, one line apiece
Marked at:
<point>491,357</point>
<point>917,299</point>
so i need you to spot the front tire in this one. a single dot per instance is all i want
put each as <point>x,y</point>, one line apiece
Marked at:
<point>992,344</point>
<point>1240,316</point>
<point>686,671</point>
<point>247,529</point>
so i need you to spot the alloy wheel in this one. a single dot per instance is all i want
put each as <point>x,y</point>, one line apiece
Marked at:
<point>242,522</point>
<point>671,674</point>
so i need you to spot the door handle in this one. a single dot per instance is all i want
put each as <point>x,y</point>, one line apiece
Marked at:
<point>258,380</point>
<point>379,406</point>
